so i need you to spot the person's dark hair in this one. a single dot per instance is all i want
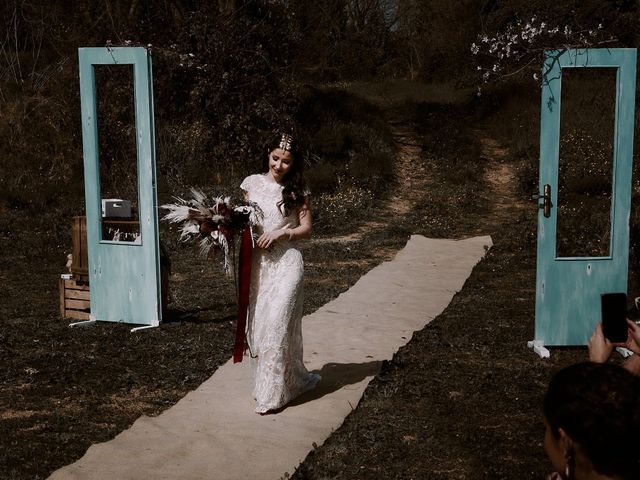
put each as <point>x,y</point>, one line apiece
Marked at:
<point>295,186</point>
<point>598,406</point>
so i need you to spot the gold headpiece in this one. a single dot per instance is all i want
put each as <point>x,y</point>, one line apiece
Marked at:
<point>285,142</point>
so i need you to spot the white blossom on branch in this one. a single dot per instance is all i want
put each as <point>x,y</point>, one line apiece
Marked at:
<point>519,44</point>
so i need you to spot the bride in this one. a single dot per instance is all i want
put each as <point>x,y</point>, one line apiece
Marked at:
<point>275,308</point>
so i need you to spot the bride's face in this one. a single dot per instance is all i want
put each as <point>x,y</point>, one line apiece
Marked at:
<point>280,162</point>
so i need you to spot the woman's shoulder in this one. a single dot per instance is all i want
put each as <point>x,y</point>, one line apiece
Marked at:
<point>250,182</point>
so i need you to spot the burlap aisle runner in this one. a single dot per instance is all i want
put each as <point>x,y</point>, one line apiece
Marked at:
<point>213,433</point>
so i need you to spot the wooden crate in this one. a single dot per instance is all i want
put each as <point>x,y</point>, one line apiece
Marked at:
<point>74,298</point>
<point>74,295</point>
<point>80,263</point>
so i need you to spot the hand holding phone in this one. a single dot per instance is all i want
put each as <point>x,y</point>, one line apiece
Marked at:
<point>614,316</point>
<point>633,341</point>
<point>599,347</point>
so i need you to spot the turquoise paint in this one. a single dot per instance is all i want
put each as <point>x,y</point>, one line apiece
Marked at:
<point>568,289</point>
<point>124,277</point>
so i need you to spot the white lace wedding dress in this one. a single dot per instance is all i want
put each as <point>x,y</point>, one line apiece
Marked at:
<point>275,307</point>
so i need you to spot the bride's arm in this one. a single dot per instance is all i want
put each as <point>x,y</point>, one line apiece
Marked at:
<point>304,217</point>
<point>301,231</point>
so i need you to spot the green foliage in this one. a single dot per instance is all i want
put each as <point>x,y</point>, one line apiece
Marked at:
<point>435,36</point>
<point>222,84</point>
<point>454,144</point>
<point>343,39</point>
<point>226,77</point>
<point>352,150</point>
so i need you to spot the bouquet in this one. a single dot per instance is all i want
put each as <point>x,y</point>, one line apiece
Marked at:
<point>215,222</point>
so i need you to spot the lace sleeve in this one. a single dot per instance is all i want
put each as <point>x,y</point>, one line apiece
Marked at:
<point>247,183</point>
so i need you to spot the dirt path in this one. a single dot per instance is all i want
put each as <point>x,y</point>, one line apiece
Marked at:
<point>410,171</point>
<point>411,180</point>
<point>501,178</point>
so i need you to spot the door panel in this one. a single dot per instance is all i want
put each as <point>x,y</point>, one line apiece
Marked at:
<point>124,275</point>
<point>583,241</point>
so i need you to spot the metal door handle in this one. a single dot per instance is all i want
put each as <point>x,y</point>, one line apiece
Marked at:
<point>546,200</point>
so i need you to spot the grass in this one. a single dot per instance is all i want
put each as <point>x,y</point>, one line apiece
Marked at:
<point>461,400</point>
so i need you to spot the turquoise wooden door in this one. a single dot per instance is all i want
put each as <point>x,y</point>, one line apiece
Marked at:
<point>568,288</point>
<point>124,276</point>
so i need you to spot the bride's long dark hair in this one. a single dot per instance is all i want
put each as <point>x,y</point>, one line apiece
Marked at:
<point>295,186</point>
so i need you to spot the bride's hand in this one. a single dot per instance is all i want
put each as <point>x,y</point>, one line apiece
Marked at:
<point>266,239</point>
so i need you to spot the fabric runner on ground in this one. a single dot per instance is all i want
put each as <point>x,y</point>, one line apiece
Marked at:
<point>213,432</point>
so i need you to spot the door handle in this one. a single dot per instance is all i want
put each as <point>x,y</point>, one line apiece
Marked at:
<point>546,200</point>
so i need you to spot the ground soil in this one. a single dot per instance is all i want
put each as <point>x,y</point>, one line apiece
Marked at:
<point>461,400</point>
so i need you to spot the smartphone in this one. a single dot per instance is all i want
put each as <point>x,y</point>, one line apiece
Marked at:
<point>614,316</point>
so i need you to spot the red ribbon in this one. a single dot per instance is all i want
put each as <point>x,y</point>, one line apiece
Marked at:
<point>246,250</point>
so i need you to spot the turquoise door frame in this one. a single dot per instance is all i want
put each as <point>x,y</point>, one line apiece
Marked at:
<point>124,277</point>
<point>568,289</point>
